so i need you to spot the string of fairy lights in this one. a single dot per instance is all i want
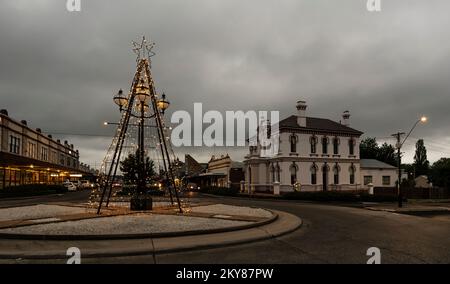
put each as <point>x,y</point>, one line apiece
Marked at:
<point>130,121</point>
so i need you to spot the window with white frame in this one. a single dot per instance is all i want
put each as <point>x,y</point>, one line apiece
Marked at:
<point>386,180</point>
<point>324,145</point>
<point>368,179</point>
<point>14,144</point>
<point>336,170</point>
<point>313,174</point>
<point>31,150</point>
<point>44,153</point>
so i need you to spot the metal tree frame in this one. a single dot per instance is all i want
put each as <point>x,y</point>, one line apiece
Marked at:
<point>144,52</point>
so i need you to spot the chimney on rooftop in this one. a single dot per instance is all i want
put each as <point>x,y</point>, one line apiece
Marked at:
<point>346,118</point>
<point>301,113</point>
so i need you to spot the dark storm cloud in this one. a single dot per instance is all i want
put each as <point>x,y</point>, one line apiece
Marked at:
<point>59,70</point>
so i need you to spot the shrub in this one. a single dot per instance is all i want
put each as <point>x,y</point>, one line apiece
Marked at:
<point>128,190</point>
<point>341,196</point>
<point>32,190</point>
<point>224,191</point>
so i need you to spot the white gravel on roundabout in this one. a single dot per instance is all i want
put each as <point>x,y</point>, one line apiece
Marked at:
<point>222,209</point>
<point>38,211</point>
<point>128,224</point>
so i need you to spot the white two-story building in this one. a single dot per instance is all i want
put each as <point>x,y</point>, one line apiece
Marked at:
<point>314,154</point>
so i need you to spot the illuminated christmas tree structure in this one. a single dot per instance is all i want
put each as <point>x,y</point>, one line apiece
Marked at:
<point>142,132</point>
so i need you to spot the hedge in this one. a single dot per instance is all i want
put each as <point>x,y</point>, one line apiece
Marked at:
<point>130,190</point>
<point>225,191</point>
<point>32,190</point>
<point>337,196</point>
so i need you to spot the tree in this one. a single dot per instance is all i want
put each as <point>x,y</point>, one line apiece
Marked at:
<point>410,169</point>
<point>421,164</point>
<point>368,149</point>
<point>440,172</point>
<point>386,153</point>
<point>131,166</point>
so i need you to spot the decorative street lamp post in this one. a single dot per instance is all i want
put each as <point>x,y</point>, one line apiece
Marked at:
<point>143,104</point>
<point>399,145</point>
<point>163,104</point>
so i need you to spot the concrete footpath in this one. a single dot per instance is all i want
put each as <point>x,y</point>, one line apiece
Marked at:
<point>48,249</point>
<point>412,208</point>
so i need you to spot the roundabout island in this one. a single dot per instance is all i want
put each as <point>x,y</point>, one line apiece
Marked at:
<point>47,231</point>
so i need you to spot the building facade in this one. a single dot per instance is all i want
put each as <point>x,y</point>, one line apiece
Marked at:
<point>314,154</point>
<point>27,156</point>
<point>228,172</point>
<point>377,173</point>
<point>219,172</point>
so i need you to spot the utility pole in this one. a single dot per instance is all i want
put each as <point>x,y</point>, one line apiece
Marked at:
<point>399,163</point>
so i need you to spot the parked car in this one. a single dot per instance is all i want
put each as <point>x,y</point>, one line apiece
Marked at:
<point>85,184</point>
<point>117,184</point>
<point>192,187</point>
<point>70,186</point>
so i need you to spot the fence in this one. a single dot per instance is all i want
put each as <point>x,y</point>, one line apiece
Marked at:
<point>415,192</point>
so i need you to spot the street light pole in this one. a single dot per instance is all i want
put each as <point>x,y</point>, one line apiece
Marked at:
<point>142,177</point>
<point>399,145</point>
<point>399,163</point>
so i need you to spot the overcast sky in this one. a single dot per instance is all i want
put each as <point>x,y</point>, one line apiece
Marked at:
<point>59,70</point>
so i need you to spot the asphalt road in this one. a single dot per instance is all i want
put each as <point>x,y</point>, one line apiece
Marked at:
<point>330,234</point>
<point>71,197</point>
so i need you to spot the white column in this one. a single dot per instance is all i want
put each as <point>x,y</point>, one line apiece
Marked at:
<point>276,188</point>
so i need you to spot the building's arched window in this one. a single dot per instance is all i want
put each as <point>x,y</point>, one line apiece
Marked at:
<point>314,174</point>
<point>293,170</point>
<point>352,171</point>
<point>313,142</point>
<point>336,146</point>
<point>277,171</point>
<point>293,141</point>
<point>336,170</point>
<point>351,146</point>
<point>324,145</point>
<point>273,173</point>
<point>325,173</point>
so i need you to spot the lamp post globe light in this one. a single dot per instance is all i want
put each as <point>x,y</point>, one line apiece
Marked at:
<point>399,145</point>
<point>120,99</point>
<point>163,104</point>
<point>143,105</point>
